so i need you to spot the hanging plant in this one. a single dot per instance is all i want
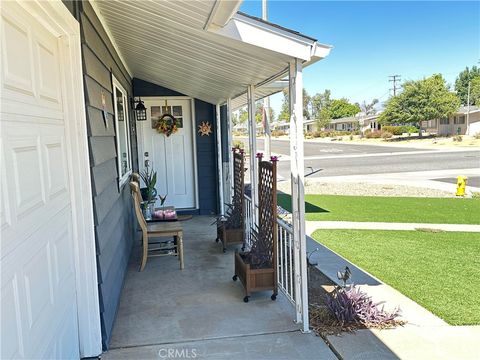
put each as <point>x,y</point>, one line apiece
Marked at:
<point>167,125</point>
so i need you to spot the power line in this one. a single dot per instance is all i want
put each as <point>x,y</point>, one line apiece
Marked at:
<point>395,79</point>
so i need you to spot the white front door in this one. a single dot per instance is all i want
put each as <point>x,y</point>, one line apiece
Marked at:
<point>38,288</point>
<point>172,157</point>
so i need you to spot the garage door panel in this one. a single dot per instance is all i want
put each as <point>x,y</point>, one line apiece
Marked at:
<point>63,269</point>
<point>45,276</point>
<point>37,275</point>
<point>56,166</point>
<point>37,247</point>
<point>26,165</point>
<point>17,72</point>
<point>12,347</point>
<point>5,218</point>
<point>48,68</point>
<point>37,185</point>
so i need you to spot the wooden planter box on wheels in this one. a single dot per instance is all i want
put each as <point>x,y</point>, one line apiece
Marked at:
<point>257,268</point>
<point>231,229</point>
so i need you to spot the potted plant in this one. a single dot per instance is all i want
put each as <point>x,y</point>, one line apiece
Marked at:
<point>149,192</point>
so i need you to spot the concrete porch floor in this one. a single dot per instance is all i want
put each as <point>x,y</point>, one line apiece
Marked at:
<point>165,311</point>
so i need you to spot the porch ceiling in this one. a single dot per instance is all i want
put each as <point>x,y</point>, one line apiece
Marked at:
<point>260,93</point>
<point>166,43</point>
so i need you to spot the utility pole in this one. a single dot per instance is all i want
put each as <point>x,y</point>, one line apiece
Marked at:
<point>395,79</point>
<point>468,107</point>
<point>266,102</point>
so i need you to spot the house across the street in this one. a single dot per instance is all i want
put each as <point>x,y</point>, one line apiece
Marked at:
<point>466,121</point>
<point>358,122</point>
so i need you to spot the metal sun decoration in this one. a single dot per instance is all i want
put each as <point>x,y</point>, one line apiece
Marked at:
<point>205,128</point>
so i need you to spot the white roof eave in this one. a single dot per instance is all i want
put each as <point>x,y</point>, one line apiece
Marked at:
<point>207,50</point>
<point>266,36</point>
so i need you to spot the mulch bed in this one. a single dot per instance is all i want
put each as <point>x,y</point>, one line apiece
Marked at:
<point>322,322</point>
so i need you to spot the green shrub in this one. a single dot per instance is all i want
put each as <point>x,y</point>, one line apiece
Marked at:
<point>394,130</point>
<point>399,130</point>
<point>477,135</point>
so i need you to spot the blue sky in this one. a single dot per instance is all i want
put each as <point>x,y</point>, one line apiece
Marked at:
<point>374,39</point>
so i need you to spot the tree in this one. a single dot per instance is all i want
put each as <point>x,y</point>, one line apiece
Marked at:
<point>259,112</point>
<point>342,108</point>
<point>368,109</point>
<point>285,110</point>
<point>461,83</point>
<point>242,116</point>
<point>420,100</point>
<point>307,100</point>
<point>320,101</point>
<point>475,91</point>
<point>235,120</point>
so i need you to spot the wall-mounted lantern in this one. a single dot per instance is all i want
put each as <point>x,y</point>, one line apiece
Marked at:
<point>140,110</point>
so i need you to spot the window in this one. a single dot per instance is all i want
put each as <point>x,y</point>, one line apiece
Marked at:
<point>459,120</point>
<point>122,132</point>
<point>444,121</point>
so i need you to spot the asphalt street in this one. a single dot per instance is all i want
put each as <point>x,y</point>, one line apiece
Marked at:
<point>334,159</point>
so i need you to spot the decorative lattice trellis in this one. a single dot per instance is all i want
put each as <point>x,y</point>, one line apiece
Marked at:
<point>264,238</point>
<point>235,212</point>
<point>231,226</point>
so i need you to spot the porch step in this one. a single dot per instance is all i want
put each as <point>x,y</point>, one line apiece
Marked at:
<point>275,346</point>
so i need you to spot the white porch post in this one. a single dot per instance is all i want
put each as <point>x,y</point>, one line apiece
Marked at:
<point>298,193</point>
<point>268,133</point>
<point>252,143</point>
<point>219,161</point>
<point>266,101</point>
<point>230,155</point>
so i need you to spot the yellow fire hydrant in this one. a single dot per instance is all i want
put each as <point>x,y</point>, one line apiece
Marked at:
<point>461,184</point>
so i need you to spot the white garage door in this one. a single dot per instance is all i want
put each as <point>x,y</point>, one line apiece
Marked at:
<point>38,301</point>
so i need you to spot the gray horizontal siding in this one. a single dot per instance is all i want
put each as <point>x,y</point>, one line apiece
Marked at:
<point>97,126</point>
<point>94,95</point>
<point>102,174</point>
<point>113,215</point>
<point>102,148</point>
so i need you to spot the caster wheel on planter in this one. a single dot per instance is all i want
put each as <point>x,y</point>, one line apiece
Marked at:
<point>273,297</point>
<point>224,250</point>
<point>217,240</point>
<point>235,278</point>
<point>245,299</point>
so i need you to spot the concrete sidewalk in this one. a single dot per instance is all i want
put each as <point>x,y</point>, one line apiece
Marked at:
<point>311,226</point>
<point>425,336</point>
<point>424,179</point>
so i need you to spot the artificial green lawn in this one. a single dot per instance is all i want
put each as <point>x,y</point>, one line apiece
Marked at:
<point>440,271</point>
<point>388,209</point>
